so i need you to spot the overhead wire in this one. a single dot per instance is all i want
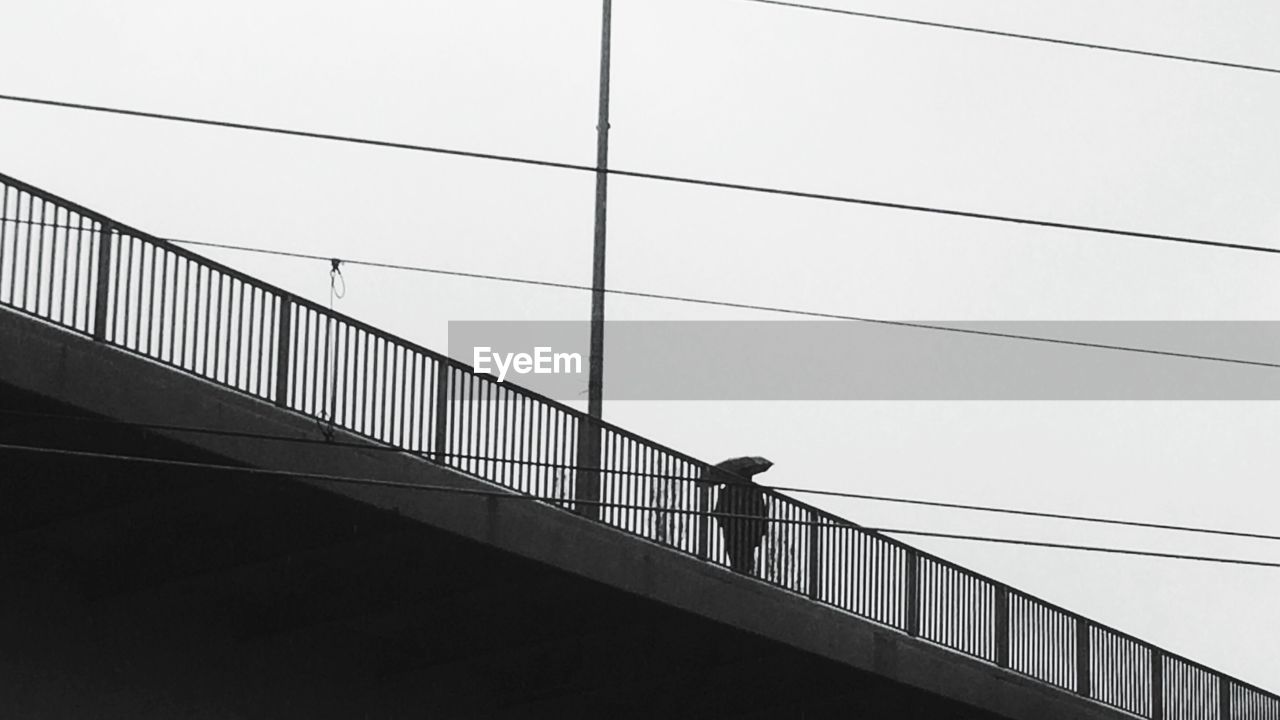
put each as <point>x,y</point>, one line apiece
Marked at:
<point>514,495</point>
<point>642,175</point>
<point>795,312</point>
<point>735,305</point>
<point>332,441</point>
<point>1015,36</point>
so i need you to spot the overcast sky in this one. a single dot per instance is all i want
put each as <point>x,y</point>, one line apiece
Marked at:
<point>733,91</point>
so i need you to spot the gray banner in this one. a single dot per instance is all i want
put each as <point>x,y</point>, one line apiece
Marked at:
<point>660,360</point>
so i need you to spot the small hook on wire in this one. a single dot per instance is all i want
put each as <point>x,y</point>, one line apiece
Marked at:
<point>336,277</point>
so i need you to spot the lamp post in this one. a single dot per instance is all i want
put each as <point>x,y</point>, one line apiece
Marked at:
<point>588,485</point>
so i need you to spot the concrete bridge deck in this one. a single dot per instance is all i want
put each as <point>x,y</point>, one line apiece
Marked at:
<point>239,577</point>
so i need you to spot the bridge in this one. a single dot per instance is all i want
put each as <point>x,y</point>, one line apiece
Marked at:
<point>223,500</point>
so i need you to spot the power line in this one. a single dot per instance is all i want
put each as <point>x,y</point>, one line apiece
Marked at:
<point>1028,513</point>
<point>513,495</point>
<point>1016,36</point>
<point>372,445</point>
<point>731,304</point>
<point>689,300</point>
<point>1070,546</point>
<point>660,177</point>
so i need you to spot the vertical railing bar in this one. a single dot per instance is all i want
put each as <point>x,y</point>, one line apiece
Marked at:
<point>462,411</point>
<point>1157,684</point>
<point>333,341</point>
<point>132,292</point>
<point>172,283</point>
<point>393,432</point>
<point>542,434</point>
<point>283,348</point>
<point>118,282</point>
<point>424,366</point>
<point>469,433</point>
<point>366,401</point>
<point>408,398</point>
<point>65,265</point>
<point>50,235</point>
<point>103,289</point>
<point>503,438</point>
<point>397,392</point>
<point>88,237</point>
<point>53,312</point>
<point>62,258</point>
<point>39,229</point>
<point>524,442</point>
<point>23,271</point>
<point>51,290</point>
<point>383,385</point>
<point>441,411</point>
<point>75,266</point>
<point>491,430</point>
<point>815,555</point>
<point>307,384</point>
<point>216,280</point>
<point>226,315</point>
<point>150,252</point>
<point>162,259</point>
<point>346,396</point>
<point>1224,697</point>
<point>405,378</point>
<point>162,309</point>
<point>296,397</point>
<point>16,239</point>
<point>254,361</point>
<point>184,354</point>
<point>4,236</point>
<point>1083,657</point>
<point>14,265</point>
<point>1000,608</point>
<point>204,333</point>
<point>235,333</point>
<point>412,399</point>
<point>71,270</point>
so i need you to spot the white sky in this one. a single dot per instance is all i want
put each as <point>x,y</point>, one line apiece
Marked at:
<point>739,92</point>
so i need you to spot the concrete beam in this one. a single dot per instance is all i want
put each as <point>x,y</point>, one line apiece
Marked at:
<point>104,380</point>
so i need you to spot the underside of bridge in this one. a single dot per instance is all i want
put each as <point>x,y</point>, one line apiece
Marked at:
<point>136,589</point>
<point>143,591</point>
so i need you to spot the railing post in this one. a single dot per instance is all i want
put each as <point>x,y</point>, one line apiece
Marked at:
<point>1002,625</point>
<point>913,592</point>
<point>102,295</point>
<point>284,349</point>
<point>1083,654</point>
<point>586,488</point>
<point>704,520</point>
<point>815,556</point>
<point>1157,684</point>
<point>1224,697</point>
<point>441,411</point>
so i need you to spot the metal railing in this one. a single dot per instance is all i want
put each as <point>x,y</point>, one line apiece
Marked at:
<point>79,269</point>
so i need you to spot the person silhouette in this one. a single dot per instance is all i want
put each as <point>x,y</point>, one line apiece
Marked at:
<point>741,510</point>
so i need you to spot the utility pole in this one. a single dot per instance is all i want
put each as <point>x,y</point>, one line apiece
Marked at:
<point>588,485</point>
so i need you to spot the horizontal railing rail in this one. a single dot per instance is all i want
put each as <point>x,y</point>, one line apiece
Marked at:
<point>69,265</point>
